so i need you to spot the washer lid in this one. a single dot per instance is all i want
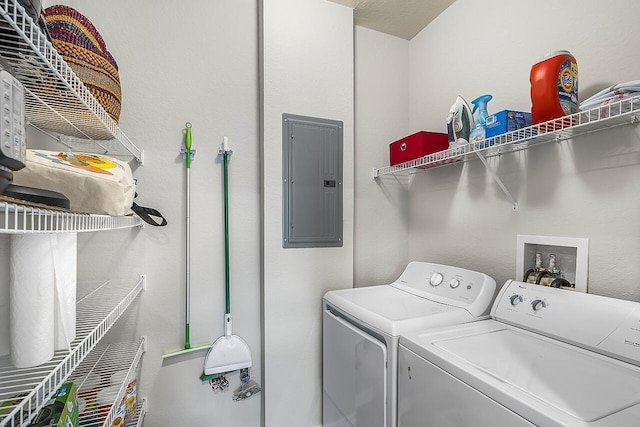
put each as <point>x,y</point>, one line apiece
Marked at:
<point>530,373</point>
<point>394,311</point>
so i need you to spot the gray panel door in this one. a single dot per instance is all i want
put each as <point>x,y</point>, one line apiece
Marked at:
<point>312,182</point>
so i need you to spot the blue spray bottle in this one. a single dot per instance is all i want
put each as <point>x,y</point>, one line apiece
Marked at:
<point>480,104</point>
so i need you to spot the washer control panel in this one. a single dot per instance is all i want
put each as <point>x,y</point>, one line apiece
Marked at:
<point>516,299</point>
<point>607,325</point>
<point>538,304</point>
<point>436,279</point>
<point>450,285</point>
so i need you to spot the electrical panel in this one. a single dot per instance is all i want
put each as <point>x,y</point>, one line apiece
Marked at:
<point>312,182</point>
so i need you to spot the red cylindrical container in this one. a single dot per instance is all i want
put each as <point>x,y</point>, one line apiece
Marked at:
<point>554,87</point>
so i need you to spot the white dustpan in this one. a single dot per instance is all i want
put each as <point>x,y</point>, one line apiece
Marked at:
<point>228,353</point>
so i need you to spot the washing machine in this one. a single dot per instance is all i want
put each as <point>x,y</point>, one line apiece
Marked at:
<point>547,357</point>
<point>361,330</point>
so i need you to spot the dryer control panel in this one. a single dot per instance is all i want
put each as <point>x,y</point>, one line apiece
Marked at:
<point>606,325</point>
<point>458,287</point>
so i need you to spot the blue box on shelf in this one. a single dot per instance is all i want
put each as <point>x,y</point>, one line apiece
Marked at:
<point>506,121</point>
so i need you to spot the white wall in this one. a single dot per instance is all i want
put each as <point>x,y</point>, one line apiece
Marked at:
<point>307,69</point>
<point>582,188</point>
<point>197,61</point>
<point>186,61</point>
<point>381,116</point>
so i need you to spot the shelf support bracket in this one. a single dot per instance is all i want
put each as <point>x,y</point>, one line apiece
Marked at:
<point>496,178</point>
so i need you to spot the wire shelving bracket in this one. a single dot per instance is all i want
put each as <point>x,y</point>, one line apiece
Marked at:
<point>618,113</point>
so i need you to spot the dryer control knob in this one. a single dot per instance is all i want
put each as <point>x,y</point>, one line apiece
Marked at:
<point>454,283</point>
<point>538,304</point>
<point>515,299</point>
<point>436,279</point>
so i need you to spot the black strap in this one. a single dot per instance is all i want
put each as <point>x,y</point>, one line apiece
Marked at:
<point>147,213</point>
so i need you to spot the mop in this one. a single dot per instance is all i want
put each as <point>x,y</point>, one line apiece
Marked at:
<point>229,353</point>
<point>188,348</point>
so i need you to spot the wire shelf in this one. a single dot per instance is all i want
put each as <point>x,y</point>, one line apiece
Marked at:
<point>138,418</point>
<point>56,100</point>
<point>24,391</point>
<point>103,377</point>
<point>18,219</point>
<point>619,113</point>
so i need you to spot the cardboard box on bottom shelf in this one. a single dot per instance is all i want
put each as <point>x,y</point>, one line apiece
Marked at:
<point>506,121</point>
<point>61,410</point>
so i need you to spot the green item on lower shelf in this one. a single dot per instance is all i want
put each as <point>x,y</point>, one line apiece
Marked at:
<point>61,410</point>
<point>7,405</point>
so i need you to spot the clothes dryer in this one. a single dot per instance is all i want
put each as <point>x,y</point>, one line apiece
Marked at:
<point>362,326</point>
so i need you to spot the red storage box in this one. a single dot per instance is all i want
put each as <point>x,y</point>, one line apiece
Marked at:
<point>417,145</point>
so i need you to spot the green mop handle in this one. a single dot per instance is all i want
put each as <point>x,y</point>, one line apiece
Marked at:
<point>187,144</point>
<point>225,159</point>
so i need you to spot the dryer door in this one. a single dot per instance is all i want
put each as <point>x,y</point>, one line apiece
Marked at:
<point>354,376</point>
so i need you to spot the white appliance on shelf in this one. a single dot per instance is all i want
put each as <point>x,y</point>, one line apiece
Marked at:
<point>547,357</point>
<point>361,329</point>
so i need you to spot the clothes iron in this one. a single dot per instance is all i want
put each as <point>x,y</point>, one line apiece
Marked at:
<point>459,123</point>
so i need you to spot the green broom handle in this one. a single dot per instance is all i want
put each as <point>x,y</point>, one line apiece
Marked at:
<point>225,155</point>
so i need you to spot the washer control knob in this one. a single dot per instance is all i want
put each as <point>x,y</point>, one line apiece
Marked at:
<point>436,279</point>
<point>454,283</point>
<point>538,304</point>
<point>515,299</point>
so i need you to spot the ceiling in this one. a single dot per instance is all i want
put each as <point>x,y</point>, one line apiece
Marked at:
<point>400,18</point>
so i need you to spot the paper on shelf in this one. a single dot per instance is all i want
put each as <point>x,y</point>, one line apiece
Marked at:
<point>65,266</point>
<point>31,299</point>
<point>42,296</point>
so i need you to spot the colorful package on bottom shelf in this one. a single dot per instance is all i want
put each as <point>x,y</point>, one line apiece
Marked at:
<point>61,410</point>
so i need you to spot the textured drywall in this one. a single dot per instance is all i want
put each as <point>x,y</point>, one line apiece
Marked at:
<point>586,187</point>
<point>307,48</point>
<point>382,116</point>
